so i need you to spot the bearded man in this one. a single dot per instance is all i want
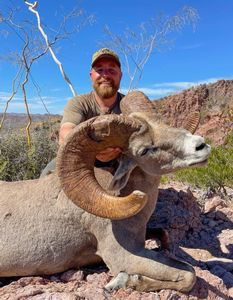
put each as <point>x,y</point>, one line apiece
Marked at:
<point>105,75</point>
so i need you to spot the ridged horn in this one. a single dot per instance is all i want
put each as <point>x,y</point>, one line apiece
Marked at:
<point>192,122</point>
<point>75,166</point>
<point>136,101</point>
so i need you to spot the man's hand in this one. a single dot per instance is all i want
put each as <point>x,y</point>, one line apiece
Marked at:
<point>104,156</point>
<point>109,154</point>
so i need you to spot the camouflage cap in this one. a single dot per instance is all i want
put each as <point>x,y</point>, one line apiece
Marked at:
<point>105,52</point>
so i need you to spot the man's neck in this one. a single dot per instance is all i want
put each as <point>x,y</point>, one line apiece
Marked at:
<point>105,104</point>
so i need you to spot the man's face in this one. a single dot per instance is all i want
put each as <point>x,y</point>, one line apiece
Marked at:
<point>106,77</point>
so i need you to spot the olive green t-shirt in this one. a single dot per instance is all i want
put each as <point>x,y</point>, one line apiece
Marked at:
<point>83,107</point>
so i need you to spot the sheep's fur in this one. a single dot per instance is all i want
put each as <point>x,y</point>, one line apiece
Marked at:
<point>43,232</point>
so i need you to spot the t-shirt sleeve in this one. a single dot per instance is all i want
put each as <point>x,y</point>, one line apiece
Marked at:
<point>73,112</point>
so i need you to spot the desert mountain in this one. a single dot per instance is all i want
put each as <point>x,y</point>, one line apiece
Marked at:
<point>213,101</point>
<point>18,122</point>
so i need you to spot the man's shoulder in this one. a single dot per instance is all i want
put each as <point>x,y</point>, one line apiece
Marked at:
<point>81,100</point>
<point>82,97</point>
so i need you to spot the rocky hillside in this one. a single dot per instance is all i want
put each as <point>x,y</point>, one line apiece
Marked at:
<point>213,101</point>
<point>18,121</point>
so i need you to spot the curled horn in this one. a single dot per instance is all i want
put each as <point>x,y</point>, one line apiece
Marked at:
<point>135,102</point>
<point>75,166</point>
<point>192,121</point>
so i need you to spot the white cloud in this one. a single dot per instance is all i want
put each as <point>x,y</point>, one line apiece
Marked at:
<point>150,92</point>
<point>5,96</point>
<point>180,85</point>
<point>53,104</point>
<point>156,92</point>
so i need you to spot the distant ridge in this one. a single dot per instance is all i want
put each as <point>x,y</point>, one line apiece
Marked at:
<point>15,121</point>
<point>213,101</point>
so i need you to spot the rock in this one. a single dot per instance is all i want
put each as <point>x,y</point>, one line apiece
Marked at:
<point>230,292</point>
<point>209,286</point>
<point>213,203</point>
<point>206,241</point>
<point>72,275</point>
<point>198,254</point>
<point>228,279</point>
<point>218,270</point>
<point>226,242</point>
<point>225,263</point>
<point>215,103</point>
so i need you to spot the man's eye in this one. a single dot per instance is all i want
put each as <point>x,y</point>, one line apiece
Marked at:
<point>99,70</point>
<point>112,71</point>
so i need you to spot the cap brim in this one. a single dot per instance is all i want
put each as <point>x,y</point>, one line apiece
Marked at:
<point>106,56</point>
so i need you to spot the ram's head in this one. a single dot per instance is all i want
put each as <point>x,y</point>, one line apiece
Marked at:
<point>154,147</point>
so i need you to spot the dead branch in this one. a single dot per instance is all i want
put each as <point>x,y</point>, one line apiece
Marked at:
<point>32,7</point>
<point>137,46</point>
<point>13,92</point>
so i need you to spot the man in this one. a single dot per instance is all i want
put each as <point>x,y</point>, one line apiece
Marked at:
<point>105,75</point>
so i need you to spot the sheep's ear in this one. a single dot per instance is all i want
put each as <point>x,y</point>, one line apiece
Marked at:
<point>121,176</point>
<point>192,122</point>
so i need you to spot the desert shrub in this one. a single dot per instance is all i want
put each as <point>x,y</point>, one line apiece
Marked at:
<point>217,175</point>
<point>18,162</point>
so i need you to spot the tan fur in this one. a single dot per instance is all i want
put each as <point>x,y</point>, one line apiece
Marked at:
<point>43,232</point>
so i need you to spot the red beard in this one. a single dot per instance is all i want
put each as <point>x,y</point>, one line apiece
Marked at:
<point>105,91</point>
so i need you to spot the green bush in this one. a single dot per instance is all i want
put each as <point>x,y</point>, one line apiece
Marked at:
<point>217,175</point>
<point>18,162</point>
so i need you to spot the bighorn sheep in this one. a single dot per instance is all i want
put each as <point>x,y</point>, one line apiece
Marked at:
<point>69,219</point>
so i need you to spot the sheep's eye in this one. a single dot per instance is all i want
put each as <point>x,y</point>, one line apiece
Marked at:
<point>144,151</point>
<point>149,149</point>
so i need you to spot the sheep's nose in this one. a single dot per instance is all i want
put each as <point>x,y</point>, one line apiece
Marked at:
<point>201,146</point>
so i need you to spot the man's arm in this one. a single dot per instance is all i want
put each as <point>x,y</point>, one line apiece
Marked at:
<point>104,156</point>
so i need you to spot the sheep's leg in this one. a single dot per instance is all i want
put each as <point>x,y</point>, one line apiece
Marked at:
<point>148,270</point>
<point>143,283</point>
<point>139,282</point>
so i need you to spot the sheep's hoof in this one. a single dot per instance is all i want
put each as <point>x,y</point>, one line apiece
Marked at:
<point>123,280</point>
<point>120,281</point>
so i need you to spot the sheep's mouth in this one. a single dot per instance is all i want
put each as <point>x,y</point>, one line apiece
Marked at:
<point>199,164</point>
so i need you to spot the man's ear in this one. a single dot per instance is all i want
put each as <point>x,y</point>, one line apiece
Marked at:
<point>120,179</point>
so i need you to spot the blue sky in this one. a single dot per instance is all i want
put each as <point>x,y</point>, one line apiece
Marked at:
<point>196,56</point>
